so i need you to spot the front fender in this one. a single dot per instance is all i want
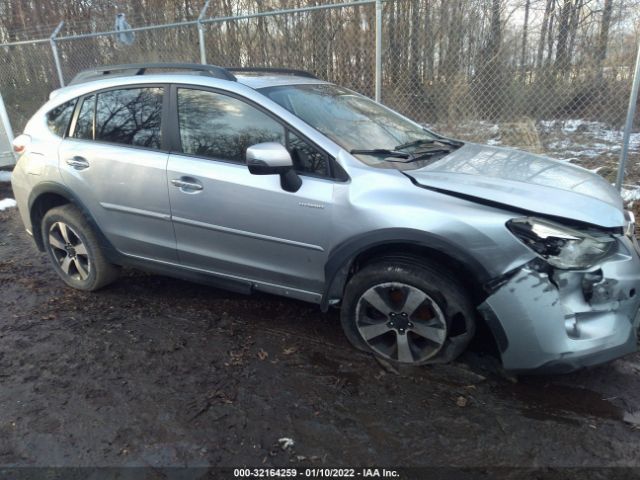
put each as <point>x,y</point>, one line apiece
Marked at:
<point>341,258</point>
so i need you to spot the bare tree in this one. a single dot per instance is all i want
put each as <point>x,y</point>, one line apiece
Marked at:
<point>442,58</point>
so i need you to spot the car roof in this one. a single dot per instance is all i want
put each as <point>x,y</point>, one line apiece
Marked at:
<point>252,81</point>
<point>262,81</point>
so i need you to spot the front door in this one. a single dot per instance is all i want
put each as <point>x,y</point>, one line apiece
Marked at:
<point>237,224</point>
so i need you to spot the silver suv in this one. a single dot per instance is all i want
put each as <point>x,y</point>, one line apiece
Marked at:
<point>273,180</point>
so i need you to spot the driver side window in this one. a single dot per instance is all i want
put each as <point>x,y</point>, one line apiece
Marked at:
<point>222,127</point>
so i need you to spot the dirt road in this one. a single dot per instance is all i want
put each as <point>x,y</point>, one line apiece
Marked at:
<point>156,371</point>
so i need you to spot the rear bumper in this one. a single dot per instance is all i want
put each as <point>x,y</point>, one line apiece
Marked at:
<point>566,320</point>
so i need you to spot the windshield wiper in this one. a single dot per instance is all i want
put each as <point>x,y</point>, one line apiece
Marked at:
<point>426,141</point>
<point>400,157</point>
<point>382,152</point>
<point>428,153</point>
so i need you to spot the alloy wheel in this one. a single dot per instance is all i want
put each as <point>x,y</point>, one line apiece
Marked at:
<point>69,250</point>
<point>401,322</point>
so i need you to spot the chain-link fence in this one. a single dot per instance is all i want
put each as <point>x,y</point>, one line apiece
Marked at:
<point>175,44</point>
<point>27,75</point>
<point>547,80</point>
<point>549,76</point>
<point>302,39</point>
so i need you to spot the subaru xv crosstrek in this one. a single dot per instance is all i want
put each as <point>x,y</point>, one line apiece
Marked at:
<point>273,180</point>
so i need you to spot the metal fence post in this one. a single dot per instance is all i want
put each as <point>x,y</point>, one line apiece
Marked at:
<point>631,111</point>
<point>378,50</point>
<point>4,119</point>
<point>6,126</point>
<point>203,51</point>
<point>56,57</point>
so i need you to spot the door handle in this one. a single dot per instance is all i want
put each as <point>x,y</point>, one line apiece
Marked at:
<point>79,163</point>
<point>178,182</point>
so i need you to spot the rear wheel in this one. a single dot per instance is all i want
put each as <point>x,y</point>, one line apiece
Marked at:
<point>74,249</point>
<point>407,312</point>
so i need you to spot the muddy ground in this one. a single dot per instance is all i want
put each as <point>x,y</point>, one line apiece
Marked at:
<point>155,371</point>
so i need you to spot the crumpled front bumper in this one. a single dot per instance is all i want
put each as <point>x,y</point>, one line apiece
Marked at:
<point>554,321</point>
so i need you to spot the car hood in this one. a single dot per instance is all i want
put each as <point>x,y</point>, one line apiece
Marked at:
<point>524,181</point>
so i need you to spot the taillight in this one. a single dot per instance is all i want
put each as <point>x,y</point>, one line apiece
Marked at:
<point>20,143</point>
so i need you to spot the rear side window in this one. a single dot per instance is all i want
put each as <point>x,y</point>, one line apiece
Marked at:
<point>84,123</point>
<point>130,116</point>
<point>222,127</point>
<point>58,118</point>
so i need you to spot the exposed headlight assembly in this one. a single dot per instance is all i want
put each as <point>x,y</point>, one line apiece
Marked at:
<point>561,246</point>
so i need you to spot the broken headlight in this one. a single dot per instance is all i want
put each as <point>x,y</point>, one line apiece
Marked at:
<point>561,246</point>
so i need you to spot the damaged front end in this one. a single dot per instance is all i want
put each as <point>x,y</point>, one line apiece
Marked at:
<point>575,305</point>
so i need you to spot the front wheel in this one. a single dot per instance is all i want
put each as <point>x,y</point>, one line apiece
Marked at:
<point>407,312</point>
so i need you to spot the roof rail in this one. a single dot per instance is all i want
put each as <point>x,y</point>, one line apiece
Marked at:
<point>267,70</point>
<point>140,69</point>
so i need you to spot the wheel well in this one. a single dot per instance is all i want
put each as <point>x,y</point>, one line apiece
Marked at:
<point>484,339</point>
<point>40,207</point>
<point>419,253</point>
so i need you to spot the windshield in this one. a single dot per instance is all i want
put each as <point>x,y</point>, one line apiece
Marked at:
<point>349,119</point>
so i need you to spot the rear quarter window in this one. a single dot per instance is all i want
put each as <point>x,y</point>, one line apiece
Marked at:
<point>84,124</point>
<point>58,119</point>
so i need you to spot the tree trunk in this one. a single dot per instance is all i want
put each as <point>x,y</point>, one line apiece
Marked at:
<point>562,54</point>
<point>575,18</point>
<point>603,38</point>
<point>525,31</point>
<point>543,33</point>
<point>491,74</point>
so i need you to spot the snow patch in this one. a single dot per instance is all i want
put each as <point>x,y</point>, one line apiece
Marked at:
<point>7,203</point>
<point>630,194</point>
<point>583,138</point>
<point>5,176</point>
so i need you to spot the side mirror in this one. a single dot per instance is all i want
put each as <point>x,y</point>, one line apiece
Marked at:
<point>271,158</point>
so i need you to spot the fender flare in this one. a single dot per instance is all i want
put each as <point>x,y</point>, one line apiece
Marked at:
<point>57,188</point>
<point>342,256</point>
<point>50,187</point>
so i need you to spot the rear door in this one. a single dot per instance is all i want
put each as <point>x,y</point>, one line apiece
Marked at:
<point>114,159</point>
<point>238,224</point>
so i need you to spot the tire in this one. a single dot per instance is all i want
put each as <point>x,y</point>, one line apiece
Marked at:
<point>74,249</point>
<point>428,317</point>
